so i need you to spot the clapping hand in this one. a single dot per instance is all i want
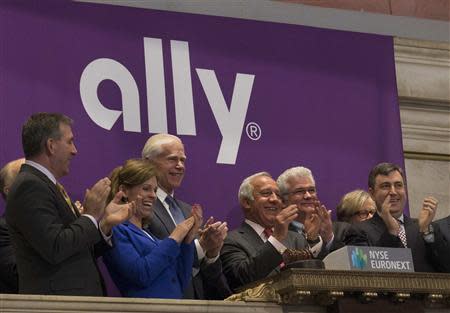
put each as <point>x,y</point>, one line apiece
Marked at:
<point>427,213</point>
<point>197,214</point>
<point>116,212</point>
<point>95,198</point>
<point>212,236</point>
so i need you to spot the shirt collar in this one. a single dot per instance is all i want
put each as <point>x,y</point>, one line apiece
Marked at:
<point>41,169</point>
<point>162,195</point>
<point>299,226</point>
<point>256,227</point>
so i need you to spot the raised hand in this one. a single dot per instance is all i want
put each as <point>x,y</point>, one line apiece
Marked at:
<point>212,236</point>
<point>326,224</point>
<point>427,213</point>
<point>282,221</point>
<point>197,214</point>
<point>312,226</point>
<point>180,232</point>
<point>385,213</point>
<point>116,212</point>
<point>95,198</point>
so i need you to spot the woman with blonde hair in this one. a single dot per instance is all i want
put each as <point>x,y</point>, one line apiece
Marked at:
<point>140,264</point>
<point>355,206</point>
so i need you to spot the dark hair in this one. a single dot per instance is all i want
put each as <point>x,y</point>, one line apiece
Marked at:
<point>383,169</point>
<point>38,129</point>
<point>133,173</point>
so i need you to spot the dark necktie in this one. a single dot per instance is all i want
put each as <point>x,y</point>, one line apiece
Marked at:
<point>268,232</point>
<point>66,197</point>
<point>401,233</point>
<point>174,210</point>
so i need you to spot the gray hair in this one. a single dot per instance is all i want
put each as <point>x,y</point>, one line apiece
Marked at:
<point>153,147</point>
<point>246,188</point>
<point>298,171</point>
<point>8,173</point>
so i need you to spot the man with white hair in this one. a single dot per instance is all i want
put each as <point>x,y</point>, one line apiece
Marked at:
<point>297,186</point>
<point>8,267</point>
<point>166,153</point>
<point>255,249</point>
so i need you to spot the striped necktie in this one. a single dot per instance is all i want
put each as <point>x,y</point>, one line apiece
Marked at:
<point>66,197</point>
<point>174,210</point>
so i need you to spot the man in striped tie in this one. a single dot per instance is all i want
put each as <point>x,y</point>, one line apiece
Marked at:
<point>55,246</point>
<point>390,227</point>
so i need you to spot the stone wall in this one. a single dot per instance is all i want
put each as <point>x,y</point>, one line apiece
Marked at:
<point>423,82</point>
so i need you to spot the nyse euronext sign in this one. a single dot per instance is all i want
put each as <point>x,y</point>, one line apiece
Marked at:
<point>229,121</point>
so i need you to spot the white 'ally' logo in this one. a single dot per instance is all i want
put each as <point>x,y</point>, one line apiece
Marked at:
<point>230,122</point>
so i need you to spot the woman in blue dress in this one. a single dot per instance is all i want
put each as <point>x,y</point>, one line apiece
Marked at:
<point>140,264</point>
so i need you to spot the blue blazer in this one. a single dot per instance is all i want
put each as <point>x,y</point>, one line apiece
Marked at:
<point>145,267</point>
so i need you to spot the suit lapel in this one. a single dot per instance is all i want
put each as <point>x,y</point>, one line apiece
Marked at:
<point>163,216</point>
<point>61,202</point>
<point>251,236</point>
<point>411,231</point>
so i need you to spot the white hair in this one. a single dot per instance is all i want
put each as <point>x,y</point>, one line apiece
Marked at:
<point>246,188</point>
<point>153,147</point>
<point>298,171</point>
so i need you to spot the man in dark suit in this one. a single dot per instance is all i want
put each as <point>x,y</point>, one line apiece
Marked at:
<point>54,245</point>
<point>297,186</point>
<point>255,249</point>
<point>389,227</point>
<point>435,234</point>
<point>167,154</point>
<point>8,267</point>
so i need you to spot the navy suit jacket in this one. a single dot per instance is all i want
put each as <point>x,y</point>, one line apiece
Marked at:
<point>148,268</point>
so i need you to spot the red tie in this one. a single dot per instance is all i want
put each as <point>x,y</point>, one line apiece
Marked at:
<point>268,232</point>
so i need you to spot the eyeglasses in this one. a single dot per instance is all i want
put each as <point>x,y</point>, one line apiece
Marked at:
<point>302,191</point>
<point>268,193</point>
<point>364,214</point>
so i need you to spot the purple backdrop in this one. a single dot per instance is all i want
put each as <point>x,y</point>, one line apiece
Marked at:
<point>324,99</point>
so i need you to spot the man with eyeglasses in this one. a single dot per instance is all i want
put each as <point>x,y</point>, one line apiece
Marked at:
<point>389,227</point>
<point>298,187</point>
<point>255,249</point>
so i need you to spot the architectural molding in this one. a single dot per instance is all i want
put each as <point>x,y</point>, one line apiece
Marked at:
<point>298,14</point>
<point>423,82</point>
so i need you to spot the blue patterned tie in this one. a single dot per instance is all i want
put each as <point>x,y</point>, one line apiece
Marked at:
<point>174,210</point>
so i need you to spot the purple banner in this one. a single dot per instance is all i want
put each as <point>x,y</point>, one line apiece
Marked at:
<point>244,96</point>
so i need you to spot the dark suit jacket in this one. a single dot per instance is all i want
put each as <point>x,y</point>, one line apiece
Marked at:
<point>8,268</point>
<point>54,248</point>
<point>440,248</point>
<point>209,283</point>
<point>247,258</point>
<point>340,231</point>
<point>146,268</point>
<point>373,232</point>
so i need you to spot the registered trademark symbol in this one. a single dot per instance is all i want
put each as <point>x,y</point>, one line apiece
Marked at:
<point>253,131</point>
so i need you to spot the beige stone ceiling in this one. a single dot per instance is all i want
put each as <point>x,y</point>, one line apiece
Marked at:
<point>428,9</point>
